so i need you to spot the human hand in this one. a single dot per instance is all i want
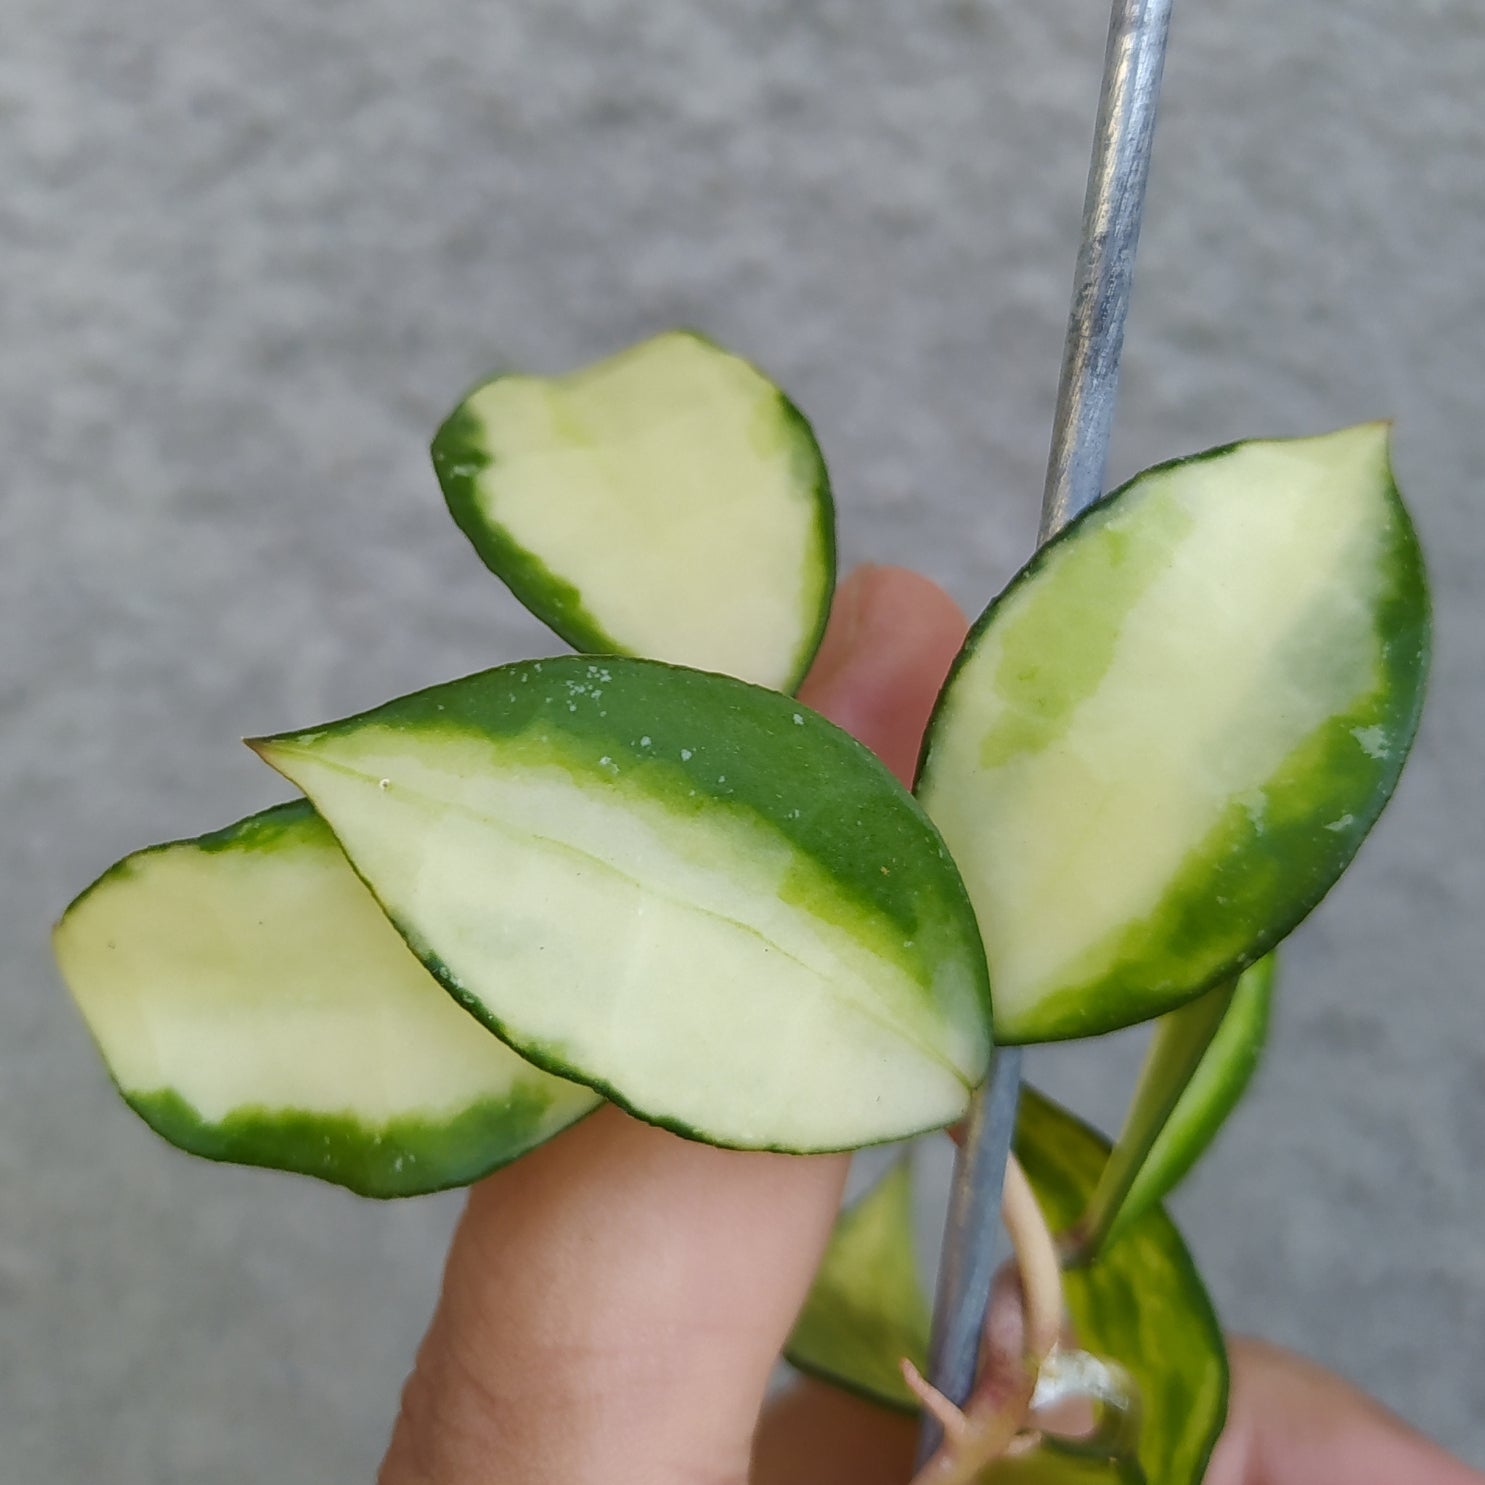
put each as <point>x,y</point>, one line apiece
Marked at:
<point>614,1302</point>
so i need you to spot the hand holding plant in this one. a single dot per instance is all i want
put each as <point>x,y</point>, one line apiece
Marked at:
<point>614,1303</point>
<point>623,876</point>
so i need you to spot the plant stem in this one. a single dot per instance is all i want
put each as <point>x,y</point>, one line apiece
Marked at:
<point>1181,1040</point>
<point>971,1253</point>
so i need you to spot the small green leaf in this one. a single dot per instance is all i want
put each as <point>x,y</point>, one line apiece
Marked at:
<point>695,895</point>
<point>1140,1304</point>
<point>1200,1060</point>
<point>669,502</point>
<point>254,1005</point>
<point>1165,740</point>
<point>866,1309</point>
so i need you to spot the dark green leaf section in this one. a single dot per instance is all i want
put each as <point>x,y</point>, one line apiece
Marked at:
<point>700,743</point>
<point>460,457</point>
<point>809,473</point>
<point>866,1308</point>
<point>405,1157</point>
<point>291,824</point>
<point>1141,1303</point>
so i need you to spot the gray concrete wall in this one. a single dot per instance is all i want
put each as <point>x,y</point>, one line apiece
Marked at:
<point>250,253</point>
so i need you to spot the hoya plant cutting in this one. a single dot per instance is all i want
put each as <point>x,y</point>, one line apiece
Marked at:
<point>644,872</point>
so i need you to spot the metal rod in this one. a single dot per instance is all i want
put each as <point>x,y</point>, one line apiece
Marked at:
<point>1111,232</point>
<point>1081,426</point>
<point>972,1239</point>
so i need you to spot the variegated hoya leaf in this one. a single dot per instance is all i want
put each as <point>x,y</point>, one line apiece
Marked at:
<point>669,502</point>
<point>253,1004</point>
<point>697,896</point>
<point>1165,740</point>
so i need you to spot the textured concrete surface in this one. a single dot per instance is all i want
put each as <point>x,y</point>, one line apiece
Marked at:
<point>251,253</point>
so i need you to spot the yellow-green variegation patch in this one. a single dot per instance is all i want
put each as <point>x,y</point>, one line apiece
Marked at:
<point>1166,739</point>
<point>253,1004</point>
<point>698,896</point>
<point>669,502</point>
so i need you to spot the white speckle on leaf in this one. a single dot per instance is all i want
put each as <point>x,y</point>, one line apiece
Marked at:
<point>798,720</point>
<point>644,742</point>
<point>1344,823</point>
<point>1373,741</point>
<point>685,755</point>
<point>384,783</point>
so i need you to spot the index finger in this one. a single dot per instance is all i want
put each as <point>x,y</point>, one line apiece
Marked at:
<point>614,1301</point>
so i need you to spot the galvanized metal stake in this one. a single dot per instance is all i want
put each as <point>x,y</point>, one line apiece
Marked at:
<point>1080,441</point>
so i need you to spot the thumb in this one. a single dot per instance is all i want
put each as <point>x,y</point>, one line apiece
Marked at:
<point>614,1301</point>
<point>891,639</point>
<point>1293,1423</point>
